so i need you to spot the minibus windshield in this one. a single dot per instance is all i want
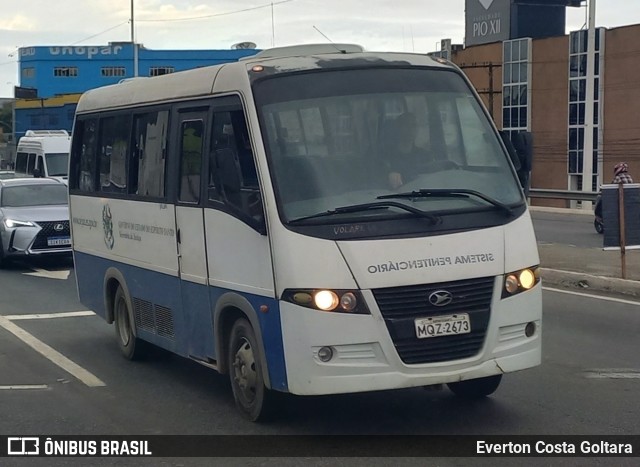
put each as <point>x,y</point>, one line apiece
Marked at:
<point>338,138</point>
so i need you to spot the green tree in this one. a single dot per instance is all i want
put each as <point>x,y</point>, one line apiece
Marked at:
<point>6,119</point>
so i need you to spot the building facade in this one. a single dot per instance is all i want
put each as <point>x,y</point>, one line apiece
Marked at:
<point>539,86</point>
<point>52,78</point>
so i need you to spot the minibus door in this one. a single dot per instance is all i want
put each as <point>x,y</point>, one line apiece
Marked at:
<point>190,233</point>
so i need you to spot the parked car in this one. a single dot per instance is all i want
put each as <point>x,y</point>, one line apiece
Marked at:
<point>34,218</point>
<point>6,174</point>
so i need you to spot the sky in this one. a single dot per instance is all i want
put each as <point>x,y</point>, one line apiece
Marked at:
<point>380,25</point>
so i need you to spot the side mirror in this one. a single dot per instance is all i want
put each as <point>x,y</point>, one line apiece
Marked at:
<point>521,154</point>
<point>37,173</point>
<point>511,149</point>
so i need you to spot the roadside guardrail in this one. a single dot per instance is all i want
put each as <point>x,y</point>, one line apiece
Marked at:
<point>573,195</point>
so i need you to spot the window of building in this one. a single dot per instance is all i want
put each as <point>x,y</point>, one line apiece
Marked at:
<point>109,71</point>
<point>515,85</point>
<point>161,70</point>
<point>28,73</point>
<point>65,71</point>
<point>578,103</point>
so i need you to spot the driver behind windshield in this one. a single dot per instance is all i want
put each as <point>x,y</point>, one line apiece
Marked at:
<point>402,154</point>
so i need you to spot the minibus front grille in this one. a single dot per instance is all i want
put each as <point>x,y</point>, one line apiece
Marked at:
<point>401,306</point>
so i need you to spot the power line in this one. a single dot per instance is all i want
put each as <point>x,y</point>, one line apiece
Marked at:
<point>267,5</point>
<point>100,33</point>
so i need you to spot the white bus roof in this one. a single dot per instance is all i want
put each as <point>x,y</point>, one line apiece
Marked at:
<point>36,133</point>
<point>234,76</point>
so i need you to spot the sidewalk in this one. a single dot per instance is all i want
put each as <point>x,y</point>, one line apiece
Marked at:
<point>587,268</point>
<point>590,269</point>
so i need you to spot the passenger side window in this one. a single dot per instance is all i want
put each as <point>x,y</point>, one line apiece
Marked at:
<point>83,155</point>
<point>21,162</point>
<point>31,164</point>
<point>192,132</point>
<point>233,177</point>
<point>147,167</point>
<point>114,148</point>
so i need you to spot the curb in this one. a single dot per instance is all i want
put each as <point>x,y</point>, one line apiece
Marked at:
<point>582,281</point>
<point>583,212</point>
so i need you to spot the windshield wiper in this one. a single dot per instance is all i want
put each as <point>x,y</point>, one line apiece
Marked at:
<point>368,207</point>
<point>449,193</point>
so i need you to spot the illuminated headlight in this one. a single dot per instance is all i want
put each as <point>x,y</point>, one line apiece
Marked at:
<point>12,223</point>
<point>326,300</point>
<point>519,281</point>
<point>339,301</point>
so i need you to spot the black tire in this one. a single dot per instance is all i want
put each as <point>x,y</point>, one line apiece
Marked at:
<point>599,226</point>
<point>476,388</point>
<point>132,348</point>
<point>251,396</point>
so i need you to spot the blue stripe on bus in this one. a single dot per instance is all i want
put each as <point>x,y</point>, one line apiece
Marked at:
<point>193,332</point>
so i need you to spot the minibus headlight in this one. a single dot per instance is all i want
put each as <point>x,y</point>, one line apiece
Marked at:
<point>337,301</point>
<point>519,281</point>
<point>326,300</point>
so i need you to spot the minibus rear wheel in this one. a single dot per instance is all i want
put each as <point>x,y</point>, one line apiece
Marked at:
<point>252,398</point>
<point>476,388</point>
<point>132,348</point>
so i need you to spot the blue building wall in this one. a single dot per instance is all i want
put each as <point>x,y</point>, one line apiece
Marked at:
<point>43,68</point>
<point>90,60</point>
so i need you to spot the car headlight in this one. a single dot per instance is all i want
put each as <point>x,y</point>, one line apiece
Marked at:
<point>337,301</point>
<point>12,223</point>
<point>520,281</point>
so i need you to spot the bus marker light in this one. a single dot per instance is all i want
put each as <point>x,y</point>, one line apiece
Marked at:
<point>264,308</point>
<point>302,298</point>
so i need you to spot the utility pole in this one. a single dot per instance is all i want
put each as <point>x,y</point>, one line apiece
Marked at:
<point>587,154</point>
<point>133,43</point>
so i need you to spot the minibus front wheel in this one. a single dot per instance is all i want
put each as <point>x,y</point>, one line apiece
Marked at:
<point>251,396</point>
<point>476,388</point>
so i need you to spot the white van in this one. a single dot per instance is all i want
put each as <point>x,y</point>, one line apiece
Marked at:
<point>264,218</point>
<point>43,153</point>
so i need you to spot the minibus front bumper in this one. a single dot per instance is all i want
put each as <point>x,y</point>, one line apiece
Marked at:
<point>364,356</point>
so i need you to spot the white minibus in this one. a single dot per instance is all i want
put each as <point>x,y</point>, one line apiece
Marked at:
<point>310,220</point>
<point>43,153</point>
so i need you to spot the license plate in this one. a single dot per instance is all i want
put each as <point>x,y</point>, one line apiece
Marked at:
<point>437,326</point>
<point>57,241</point>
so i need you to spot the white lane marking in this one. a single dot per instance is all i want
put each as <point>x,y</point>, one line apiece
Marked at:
<point>613,373</point>
<point>597,297</point>
<point>62,275</point>
<point>53,355</point>
<point>66,314</point>
<point>23,386</point>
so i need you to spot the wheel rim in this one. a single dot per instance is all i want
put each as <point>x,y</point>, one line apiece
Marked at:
<point>245,375</point>
<point>124,327</point>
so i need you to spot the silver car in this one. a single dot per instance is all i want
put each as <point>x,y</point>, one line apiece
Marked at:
<point>34,218</point>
